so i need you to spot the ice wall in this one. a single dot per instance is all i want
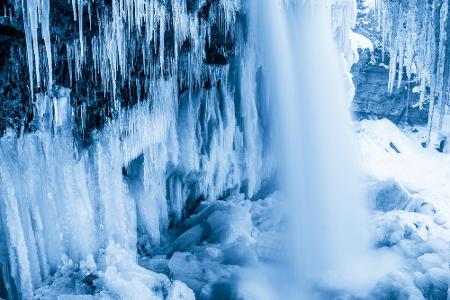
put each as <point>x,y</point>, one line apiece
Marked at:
<point>140,175</point>
<point>192,131</point>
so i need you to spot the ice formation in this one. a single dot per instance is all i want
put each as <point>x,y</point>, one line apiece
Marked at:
<point>138,36</point>
<point>145,171</point>
<point>414,37</point>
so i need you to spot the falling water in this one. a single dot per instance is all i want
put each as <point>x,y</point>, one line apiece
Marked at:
<point>320,173</point>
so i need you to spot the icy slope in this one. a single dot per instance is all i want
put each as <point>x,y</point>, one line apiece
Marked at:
<point>408,193</point>
<point>424,172</point>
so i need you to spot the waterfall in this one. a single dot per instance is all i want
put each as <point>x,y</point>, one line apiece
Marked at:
<point>328,234</point>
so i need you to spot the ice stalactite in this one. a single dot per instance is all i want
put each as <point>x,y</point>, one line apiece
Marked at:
<point>343,19</point>
<point>35,13</point>
<point>414,34</point>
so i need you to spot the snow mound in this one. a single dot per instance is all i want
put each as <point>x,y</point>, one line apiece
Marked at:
<point>408,194</point>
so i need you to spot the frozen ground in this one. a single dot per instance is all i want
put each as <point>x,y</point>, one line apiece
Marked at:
<point>217,253</point>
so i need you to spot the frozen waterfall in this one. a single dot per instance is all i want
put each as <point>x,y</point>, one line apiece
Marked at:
<point>176,149</point>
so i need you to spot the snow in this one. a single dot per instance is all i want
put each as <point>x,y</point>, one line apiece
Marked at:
<point>361,42</point>
<point>423,172</point>
<point>409,196</point>
<point>126,280</point>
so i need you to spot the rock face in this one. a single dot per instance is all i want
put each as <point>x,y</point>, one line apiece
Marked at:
<point>372,98</point>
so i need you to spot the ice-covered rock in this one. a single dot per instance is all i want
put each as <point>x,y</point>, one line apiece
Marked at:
<point>226,226</point>
<point>391,195</point>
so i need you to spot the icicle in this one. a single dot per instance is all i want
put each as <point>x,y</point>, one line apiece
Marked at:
<point>69,62</point>
<point>29,44</point>
<point>33,23</point>
<point>74,9</point>
<point>45,21</point>
<point>162,28</point>
<point>80,25</point>
<point>90,14</point>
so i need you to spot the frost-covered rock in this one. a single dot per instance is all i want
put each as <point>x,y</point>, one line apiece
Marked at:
<point>372,98</point>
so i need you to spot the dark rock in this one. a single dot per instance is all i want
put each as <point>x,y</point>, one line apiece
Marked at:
<point>392,145</point>
<point>442,144</point>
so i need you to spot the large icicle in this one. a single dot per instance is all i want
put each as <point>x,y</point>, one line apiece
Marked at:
<point>37,12</point>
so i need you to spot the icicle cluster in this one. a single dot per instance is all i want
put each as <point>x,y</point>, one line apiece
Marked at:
<point>343,15</point>
<point>134,42</point>
<point>414,33</point>
<point>35,13</point>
